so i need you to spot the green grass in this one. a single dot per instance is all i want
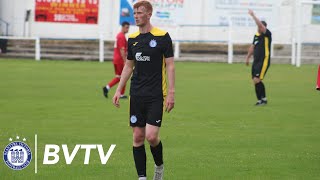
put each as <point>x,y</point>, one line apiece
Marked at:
<point>214,132</point>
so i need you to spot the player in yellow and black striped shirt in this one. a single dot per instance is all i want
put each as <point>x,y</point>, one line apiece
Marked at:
<point>260,49</point>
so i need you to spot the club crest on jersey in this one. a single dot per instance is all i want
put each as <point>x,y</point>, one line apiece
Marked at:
<point>133,119</point>
<point>17,155</point>
<point>153,43</point>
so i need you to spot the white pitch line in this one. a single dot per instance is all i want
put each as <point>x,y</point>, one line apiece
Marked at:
<point>35,153</point>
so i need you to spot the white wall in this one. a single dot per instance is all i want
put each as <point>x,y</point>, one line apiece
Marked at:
<point>14,11</point>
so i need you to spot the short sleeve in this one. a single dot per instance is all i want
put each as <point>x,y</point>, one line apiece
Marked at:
<point>130,56</point>
<point>168,50</point>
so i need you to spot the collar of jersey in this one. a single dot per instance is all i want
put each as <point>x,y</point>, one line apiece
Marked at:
<point>154,31</point>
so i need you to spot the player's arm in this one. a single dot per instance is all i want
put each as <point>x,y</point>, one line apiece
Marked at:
<point>261,27</point>
<point>121,44</point>
<point>171,77</point>
<point>250,53</point>
<point>125,75</point>
<point>123,53</point>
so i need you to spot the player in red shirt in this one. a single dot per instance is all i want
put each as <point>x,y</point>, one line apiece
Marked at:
<point>119,58</point>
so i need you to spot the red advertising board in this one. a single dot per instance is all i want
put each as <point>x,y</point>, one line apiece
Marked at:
<point>67,11</point>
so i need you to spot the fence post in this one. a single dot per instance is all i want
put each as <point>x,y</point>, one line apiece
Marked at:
<point>7,29</point>
<point>293,51</point>
<point>176,49</point>
<point>101,48</point>
<point>230,44</point>
<point>272,50</point>
<point>38,49</point>
<point>299,39</point>
<point>177,43</point>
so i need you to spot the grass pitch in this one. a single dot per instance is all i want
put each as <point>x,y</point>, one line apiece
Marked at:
<point>214,132</point>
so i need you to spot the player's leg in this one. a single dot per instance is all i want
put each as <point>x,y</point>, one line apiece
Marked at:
<point>138,123</point>
<point>114,81</point>
<point>154,120</point>
<point>263,92</point>
<point>152,136</point>
<point>258,84</point>
<point>257,89</point>
<point>255,73</point>
<point>260,91</point>
<point>123,96</point>
<point>263,73</point>
<point>139,151</point>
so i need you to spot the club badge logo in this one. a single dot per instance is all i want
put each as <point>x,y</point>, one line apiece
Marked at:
<point>17,155</point>
<point>133,119</point>
<point>153,43</point>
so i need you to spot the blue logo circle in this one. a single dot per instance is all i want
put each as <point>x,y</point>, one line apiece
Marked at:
<point>133,119</point>
<point>153,43</point>
<point>17,155</point>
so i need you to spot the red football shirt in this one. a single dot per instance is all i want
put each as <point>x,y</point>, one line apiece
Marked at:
<point>121,42</point>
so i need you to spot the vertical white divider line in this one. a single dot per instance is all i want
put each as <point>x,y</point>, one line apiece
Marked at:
<point>35,153</point>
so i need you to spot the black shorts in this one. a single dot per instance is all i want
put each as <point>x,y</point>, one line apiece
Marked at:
<point>260,68</point>
<point>146,110</point>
